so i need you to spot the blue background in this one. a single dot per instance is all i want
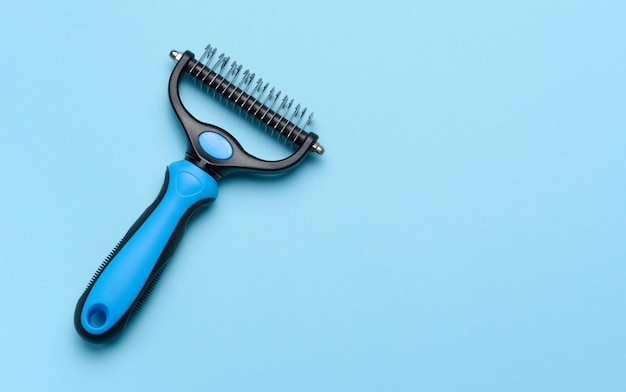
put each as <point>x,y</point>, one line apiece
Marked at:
<point>464,231</point>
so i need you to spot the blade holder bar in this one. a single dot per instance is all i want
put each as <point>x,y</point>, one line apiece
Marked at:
<point>221,86</point>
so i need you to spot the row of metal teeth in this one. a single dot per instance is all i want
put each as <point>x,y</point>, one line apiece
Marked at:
<point>287,121</point>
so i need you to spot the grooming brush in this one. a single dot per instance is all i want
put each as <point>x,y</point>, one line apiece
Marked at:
<point>126,277</point>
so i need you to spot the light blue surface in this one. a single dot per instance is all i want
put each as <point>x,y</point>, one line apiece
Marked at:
<point>120,283</point>
<point>463,232</point>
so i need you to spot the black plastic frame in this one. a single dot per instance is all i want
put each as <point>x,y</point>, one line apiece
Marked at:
<point>240,161</point>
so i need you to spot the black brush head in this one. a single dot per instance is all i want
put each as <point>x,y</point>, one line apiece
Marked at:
<point>214,149</point>
<point>225,80</point>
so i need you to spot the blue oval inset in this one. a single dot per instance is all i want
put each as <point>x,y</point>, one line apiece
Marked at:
<point>215,145</point>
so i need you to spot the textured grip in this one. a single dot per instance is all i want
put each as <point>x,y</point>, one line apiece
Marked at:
<point>127,276</point>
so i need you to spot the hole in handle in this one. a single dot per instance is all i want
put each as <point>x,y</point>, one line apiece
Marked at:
<point>97,316</point>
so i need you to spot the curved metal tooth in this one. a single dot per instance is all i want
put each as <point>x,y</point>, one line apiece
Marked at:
<point>245,88</point>
<point>217,62</point>
<point>280,108</point>
<point>271,97</point>
<point>301,117</point>
<point>243,78</point>
<point>224,61</point>
<point>204,56</point>
<point>221,69</point>
<point>285,111</point>
<point>308,121</point>
<point>253,93</point>
<point>210,57</point>
<point>231,76</point>
<point>259,97</point>
<point>295,111</point>
<point>271,108</point>
<point>298,123</point>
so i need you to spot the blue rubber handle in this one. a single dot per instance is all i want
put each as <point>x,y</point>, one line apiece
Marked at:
<point>129,273</point>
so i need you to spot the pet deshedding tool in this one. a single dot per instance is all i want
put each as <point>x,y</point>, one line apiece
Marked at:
<point>126,277</point>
